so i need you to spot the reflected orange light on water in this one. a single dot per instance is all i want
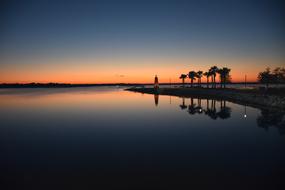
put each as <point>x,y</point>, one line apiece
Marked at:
<point>73,98</point>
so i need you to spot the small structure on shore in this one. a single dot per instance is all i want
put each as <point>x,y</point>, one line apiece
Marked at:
<point>156,84</point>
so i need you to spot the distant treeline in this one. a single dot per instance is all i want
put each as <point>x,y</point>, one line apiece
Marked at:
<point>58,85</point>
<point>67,85</point>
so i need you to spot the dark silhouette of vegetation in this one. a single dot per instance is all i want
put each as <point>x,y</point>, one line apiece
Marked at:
<point>224,76</point>
<point>279,75</point>
<point>213,71</point>
<point>192,75</point>
<point>223,72</point>
<point>183,77</point>
<point>199,76</point>
<point>265,77</point>
<point>207,75</point>
<point>276,77</point>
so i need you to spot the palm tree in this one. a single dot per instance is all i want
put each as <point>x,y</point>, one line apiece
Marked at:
<point>207,74</point>
<point>213,70</point>
<point>224,75</point>
<point>192,76</point>
<point>183,77</point>
<point>199,75</point>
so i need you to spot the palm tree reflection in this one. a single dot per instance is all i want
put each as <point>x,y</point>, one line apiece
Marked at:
<point>192,107</point>
<point>210,109</point>
<point>267,118</point>
<point>225,112</point>
<point>183,106</point>
<point>199,107</point>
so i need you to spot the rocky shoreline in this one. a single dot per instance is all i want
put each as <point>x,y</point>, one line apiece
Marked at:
<point>254,98</point>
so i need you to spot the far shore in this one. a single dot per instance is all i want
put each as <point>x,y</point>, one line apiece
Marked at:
<point>59,85</point>
<point>271,98</point>
<point>69,85</point>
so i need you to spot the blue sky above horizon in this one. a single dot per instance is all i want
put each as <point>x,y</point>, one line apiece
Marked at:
<point>140,28</point>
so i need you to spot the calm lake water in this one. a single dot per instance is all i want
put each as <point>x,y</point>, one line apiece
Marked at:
<point>85,137</point>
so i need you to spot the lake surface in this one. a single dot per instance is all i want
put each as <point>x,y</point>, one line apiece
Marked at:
<point>85,137</point>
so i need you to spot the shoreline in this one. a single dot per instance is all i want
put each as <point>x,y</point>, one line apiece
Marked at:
<point>254,98</point>
<point>68,85</point>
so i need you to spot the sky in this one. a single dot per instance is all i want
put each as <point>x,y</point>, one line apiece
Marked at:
<point>130,41</point>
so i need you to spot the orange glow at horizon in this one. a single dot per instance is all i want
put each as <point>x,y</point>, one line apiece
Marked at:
<point>131,70</point>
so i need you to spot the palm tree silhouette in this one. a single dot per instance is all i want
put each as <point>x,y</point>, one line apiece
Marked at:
<point>213,70</point>
<point>199,75</point>
<point>224,75</point>
<point>192,76</point>
<point>207,74</point>
<point>183,77</point>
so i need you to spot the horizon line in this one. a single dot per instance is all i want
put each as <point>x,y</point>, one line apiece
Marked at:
<point>116,83</point>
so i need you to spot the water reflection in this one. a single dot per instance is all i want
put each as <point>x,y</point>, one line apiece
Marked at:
<point>219,109</point>
<point>269,118</point>
<point>156,99</point>
<point>225,112</point>
<point>210,109</point>
<point>183,106</point>
<point>82,134</point>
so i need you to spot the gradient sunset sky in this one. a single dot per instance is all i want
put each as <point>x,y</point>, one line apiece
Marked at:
<point>114,41</point>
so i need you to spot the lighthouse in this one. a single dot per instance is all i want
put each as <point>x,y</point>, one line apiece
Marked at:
<point>156,85</point>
